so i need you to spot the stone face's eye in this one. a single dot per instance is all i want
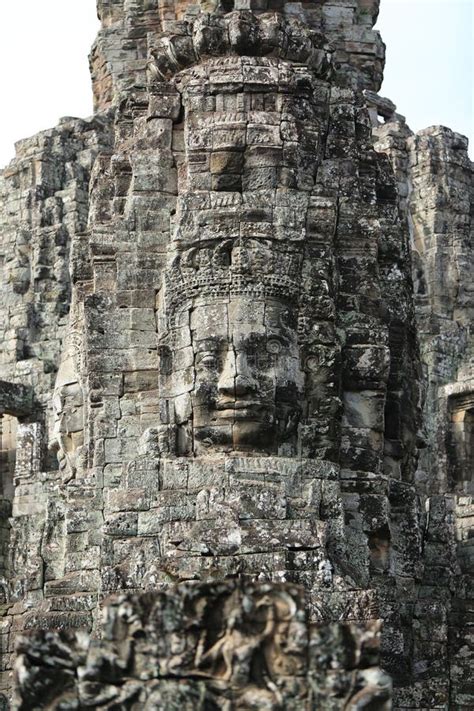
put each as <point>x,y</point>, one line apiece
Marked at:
<point>251,357</point>
<point>274,346</point>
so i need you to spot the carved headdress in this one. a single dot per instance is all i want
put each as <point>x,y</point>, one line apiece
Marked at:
<point>241,267</point>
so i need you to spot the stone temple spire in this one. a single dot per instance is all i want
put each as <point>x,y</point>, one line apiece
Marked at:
<point>213,382</point>
<point>129,29</point>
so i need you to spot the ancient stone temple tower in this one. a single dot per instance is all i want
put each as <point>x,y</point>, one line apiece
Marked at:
<point>231,327</point>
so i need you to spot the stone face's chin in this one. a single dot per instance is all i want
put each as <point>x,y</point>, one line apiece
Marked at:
<point>255,436</point>
<point>239,430</point>
<point>258,424</point>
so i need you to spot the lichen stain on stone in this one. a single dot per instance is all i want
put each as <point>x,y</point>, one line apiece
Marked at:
<point>235,380</point>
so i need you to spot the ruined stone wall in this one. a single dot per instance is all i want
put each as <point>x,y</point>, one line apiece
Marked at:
<point>441,209</point>
<point>239,388</point>
<point>434,176</point>
<point>205,646</point>
<point>243,201</point>
<point>45,200</point>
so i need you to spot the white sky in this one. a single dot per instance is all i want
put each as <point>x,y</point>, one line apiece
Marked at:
<point>429,72</point>
<point>44,70</point>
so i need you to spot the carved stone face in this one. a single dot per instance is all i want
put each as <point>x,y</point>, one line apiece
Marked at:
<point>248,384</point>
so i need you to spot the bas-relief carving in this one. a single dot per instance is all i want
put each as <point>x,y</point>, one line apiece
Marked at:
<point>220,646</point>
<point>232,371</point>
<point>245,369</point>
<point>248,384</point>
<point>231,368</point>
<point>67,438</point>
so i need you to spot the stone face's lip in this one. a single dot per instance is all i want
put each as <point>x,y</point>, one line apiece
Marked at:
<point>240,405</point>
<point>241,409</point>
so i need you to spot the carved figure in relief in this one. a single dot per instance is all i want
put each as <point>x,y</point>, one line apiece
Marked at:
<point>68,405</point>
<point>247,380</point>
<point>236,382</point>
<point>234,350</point>
<point>260,628</point>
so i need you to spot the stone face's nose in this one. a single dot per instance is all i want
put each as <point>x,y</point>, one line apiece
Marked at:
<point>226,383</point>
<point>245,383</point>
<point>236,378</point>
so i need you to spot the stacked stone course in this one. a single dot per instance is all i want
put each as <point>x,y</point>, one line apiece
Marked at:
<point>434,176</point>
<point>226,310</point>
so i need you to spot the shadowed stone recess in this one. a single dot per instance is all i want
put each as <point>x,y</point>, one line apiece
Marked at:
<point>15,399</point>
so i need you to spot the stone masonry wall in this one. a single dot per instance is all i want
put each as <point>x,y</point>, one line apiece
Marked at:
<point>209,647</point>
<point>247,338</point>
<point>45,200</point>
<point>120,54</point>
<point>260,151</point>
<point>434,176</point>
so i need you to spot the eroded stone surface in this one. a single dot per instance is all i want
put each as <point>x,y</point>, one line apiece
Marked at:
<point>217,646</point>
<point>230,307</point>
<point>434,176</point>
<point>15,399</point>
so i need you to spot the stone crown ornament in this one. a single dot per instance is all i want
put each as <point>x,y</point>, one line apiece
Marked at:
<point>242,267</point>
<point>241,34</point>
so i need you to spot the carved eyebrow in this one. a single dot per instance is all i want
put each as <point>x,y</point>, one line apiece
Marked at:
<point>249,338</point>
